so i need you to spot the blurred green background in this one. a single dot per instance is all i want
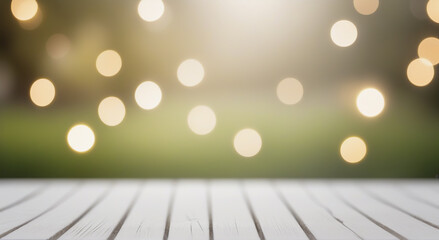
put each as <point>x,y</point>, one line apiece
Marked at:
<point>246,48</point>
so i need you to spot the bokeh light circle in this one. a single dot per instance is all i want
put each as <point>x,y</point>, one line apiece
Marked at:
<point>201,120</point>
<point>433,10</point>
<point>24,10</point>
<point>148,95</point>
<point>108,63</point>
<point>366,7</point>
<point>370,102</point>
<point>111,111</point>
<point>80,138</point>
<point>289,91</point>
<point>344,33</point>
<point>42,92</point>
<point>247,142</point>
<point>353,149</point>
<point>420,72</point>
<point>429,49</point>
<point>190,72</point>
<point>151,10</point>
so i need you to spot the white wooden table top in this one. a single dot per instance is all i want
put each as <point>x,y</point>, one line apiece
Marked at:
<point>219,209</point>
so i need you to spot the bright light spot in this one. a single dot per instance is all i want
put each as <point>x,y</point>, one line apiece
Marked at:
<point>150,10</point>
<point>366,7</point>
<point>433,10</point>
<point>344,33</point>
<point>289,91</point>
<point>247,142</point>
<point>111,111</point>
<point>190,72</point>
<point>353,149</point>
<point>429,49</point>
<point>42,92</point>
<point>32,23</point>
<point>370,102</point>
<point>24,9</point>
<point>148,95</point>
<point>201,120</point>
<point>108,63</point>
<point>420,72</point>
<point>80,138</point>
<point>57,46</point>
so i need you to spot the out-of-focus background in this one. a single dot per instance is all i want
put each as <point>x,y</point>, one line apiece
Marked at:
<point>245,49</point>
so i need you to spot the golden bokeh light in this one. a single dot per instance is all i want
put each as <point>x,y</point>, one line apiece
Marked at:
<point>247,142</point>
<point>111,111</point>
<point>420,72</point>
<point>201,120</point>
<point>370,102</point>
<point>353,149</point>
<point>32,23</point>
<point>151,10</point>
<point>289,91</point>
<point>24,10</point>
<point>344,33</point>
<point>108,63</point>
<point>366,7</point>
<point>80,138</point>
<point>190,72</point>
<point>57,46</point>
<point>433,10</point>
<point>429,49</point>
<point>42,92</point>
<point>148,95</point>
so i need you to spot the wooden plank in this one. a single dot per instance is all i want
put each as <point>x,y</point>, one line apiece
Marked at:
<point>189,217</point>
<point>394,197</point>
<point>352,219</point>
<point>49,224</point>
<point>401,223</point>
<point>321,224</point>
<point>231,219</point>
<point>426,194</point>
<point>147,219</point>
<point>274,218</point>
<point>101,220</point>
<point>17,216</point>
<point>15,192</point>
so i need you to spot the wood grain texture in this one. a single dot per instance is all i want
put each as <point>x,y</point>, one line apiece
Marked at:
<point>276,221</point>
<point>100,221</point>
<point>147,219</point>
<point>230,215</point>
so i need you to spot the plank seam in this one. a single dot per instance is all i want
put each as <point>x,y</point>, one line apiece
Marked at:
<point>169,213</point>
<point>413,196</point>
<point>25,198</point>
<point>302,225</point>
<point>209,209</point>
<point>252,213</point>
<point>57,203</point>
<point>389,230</point>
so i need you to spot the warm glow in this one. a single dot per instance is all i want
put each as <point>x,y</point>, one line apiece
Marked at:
<point>148,95</point>
<point>111,111</point>
<point>289,91</point>
<point>344,33</point>
<point>370,102</point>
<point>429,49</point>
<point>151,10</point>
<point>42,92</point>
<point>353,149</point>
<point>201,120</point>
<point>80,138</point>
<point>108,63</point>
<point>366,7</point>
<point>433,10</point>
<point>420,72</point>
<point>190,72</point>
<point>24,9</point>
<point>32,23</point>
<point>247,142</point>
<point>57,46</point>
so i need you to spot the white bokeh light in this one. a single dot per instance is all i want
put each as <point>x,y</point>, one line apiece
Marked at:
<point>353,149</point>
<point>370,102</point>
<point>148,95</point>
<point>190,72</point>
<point>247,142</point>
<point>151,10</point>
<point>24,10</point>
<point>80,138</point>
<point>201,120</point>
<point>111,111</point>
<point>42,92</point>
<point>108,63</point>
<point>289,91</point>
<point>344,33</point>
<point>420,72</point>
